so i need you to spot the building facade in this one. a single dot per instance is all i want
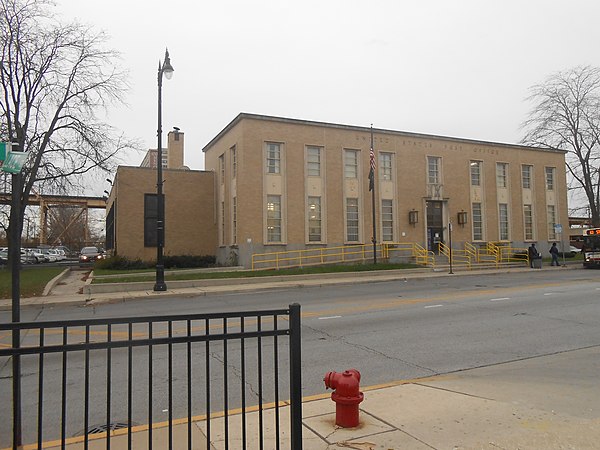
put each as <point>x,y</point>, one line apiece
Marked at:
<point>190,221</point>
<point>285,184</point>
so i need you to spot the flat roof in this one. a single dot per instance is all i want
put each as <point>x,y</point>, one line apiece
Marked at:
<point>242,116</point>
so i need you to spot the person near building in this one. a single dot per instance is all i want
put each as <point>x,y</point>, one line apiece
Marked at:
<point>554,253</point>
<point>533,254</point>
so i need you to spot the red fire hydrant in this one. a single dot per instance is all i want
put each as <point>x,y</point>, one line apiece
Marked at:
<point>346,396</point>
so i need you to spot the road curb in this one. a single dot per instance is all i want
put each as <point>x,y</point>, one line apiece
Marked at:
<point>54,281</point>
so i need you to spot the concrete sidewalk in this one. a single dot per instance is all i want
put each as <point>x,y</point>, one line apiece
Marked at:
<point>549,402</point>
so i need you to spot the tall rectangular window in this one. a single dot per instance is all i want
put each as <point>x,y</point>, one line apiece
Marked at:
<point>313,161</point>
<point>274,218</point>
<point>234,221</point>
<point>528,221</point>
<point>526,171</point>
<point>351,163</point>
<point>222,168</point>
<point>503,221</point>
<point>551,222</point>
<point>314,219</point>
<point>150,218</point>
<point>501,175</point>
<point>387,220</point>
<point>434,175</point>
<point>352,220</point>
<point>273,157</point>
<point>385,166</point>
<point>550,178</point>
<point>477,222</point>
<point>222,223</point>
<point>475,173</point>
<point>233,162</point>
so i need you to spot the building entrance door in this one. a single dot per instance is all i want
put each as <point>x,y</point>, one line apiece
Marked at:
<point>435,225</point>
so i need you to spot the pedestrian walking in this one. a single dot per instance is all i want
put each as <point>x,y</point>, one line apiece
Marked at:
<point>533,254</point>
<point>554,253</point>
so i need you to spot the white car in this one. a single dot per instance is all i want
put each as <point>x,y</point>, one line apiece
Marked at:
<point>53,254</point>
<point>39,255</point>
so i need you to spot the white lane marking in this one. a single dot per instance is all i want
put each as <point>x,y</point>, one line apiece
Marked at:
<point>549,293</point>
<point>329,317</point>
<point>499,299</point>
<point>433,306</point>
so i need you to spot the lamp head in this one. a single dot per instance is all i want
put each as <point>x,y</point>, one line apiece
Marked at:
<point>167,68</point>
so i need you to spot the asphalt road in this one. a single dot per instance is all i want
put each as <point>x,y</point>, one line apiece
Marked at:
<point>389,331</point>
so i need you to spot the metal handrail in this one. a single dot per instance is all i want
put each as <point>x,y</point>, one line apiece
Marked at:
<point>315,256</point>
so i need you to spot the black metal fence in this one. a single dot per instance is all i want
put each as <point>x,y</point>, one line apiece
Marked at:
<point>146,382</point>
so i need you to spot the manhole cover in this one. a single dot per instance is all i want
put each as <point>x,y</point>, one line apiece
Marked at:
<point>97,429</point>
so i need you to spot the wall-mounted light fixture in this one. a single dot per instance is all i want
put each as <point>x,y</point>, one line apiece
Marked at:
<point>462,217</point>
<point>413,217</point>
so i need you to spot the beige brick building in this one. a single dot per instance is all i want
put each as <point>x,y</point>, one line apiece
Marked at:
<point>190,221</point>
<point>285,184</point>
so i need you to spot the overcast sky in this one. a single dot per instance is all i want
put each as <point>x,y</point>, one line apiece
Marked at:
<point>454,68</point>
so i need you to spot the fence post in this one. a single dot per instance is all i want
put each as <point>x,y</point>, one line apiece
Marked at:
<point>295,378</point>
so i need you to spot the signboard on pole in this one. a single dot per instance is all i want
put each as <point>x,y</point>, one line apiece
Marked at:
<point>14,162</point>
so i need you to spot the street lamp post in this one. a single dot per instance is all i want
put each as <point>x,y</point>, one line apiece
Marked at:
<point>167,69</point>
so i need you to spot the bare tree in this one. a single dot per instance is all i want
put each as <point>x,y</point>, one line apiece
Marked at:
<point>57,78</point>
<point>566,116</point>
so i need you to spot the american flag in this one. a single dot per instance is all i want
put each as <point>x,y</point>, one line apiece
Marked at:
<point>372,170</point>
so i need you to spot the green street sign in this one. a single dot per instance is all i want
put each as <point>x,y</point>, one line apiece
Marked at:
<point>14,162</point>
<point>4,150</point>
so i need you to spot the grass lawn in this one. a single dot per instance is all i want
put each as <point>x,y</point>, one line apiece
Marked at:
<point>245,274</point>
<point>33,280</point>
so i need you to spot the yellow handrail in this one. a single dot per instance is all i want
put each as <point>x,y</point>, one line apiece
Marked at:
<point>321,255</point>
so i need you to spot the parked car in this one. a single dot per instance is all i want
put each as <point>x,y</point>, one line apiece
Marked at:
<point>46,251</point>
<point>41,258</point>
<point>54,253</point>
<point>67,252</point>
<point>28,257</point>
<point>89,255</point>
<point>61,254</point>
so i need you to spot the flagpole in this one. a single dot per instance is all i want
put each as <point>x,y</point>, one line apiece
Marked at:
<point>372,189</point>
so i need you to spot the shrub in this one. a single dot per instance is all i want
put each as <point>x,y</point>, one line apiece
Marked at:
<point>120,263</point>
<point>188,261</point>
<point>170,262</point>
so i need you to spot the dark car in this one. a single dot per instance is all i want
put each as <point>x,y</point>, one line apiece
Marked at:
<point>89,255</point>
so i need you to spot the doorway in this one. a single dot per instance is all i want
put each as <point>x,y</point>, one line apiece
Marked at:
<point>435,225</point>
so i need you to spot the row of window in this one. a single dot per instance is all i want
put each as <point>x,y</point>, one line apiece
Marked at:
<point>502,175</point>
<point>233,153</point>
<point>351,167</point>
<point>315,230</point>
<point>314,217</point>
<point>434,163</point>
<point>504,221</point>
